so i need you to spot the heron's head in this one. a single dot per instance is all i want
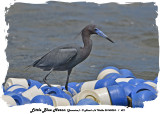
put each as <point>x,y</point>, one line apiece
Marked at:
<point>94,30</point>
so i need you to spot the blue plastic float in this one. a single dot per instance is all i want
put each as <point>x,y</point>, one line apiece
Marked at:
<point>126,73</point>
<point>136,89</point>
<point>128,88</point>
<point>141,93</point>
<point>87,102</point>
<point>118,96</point>
<point>54,91</point>
<point>20,100</point>
<point>76,87</point>
<point>156,80</point>
<point>112,76</point>
<point>32,83</point>
<point>104,83</point>
<point>42,99</point>
<point>136,81</point>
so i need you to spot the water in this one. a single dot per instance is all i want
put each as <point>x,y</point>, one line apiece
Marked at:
<point>37,28</point>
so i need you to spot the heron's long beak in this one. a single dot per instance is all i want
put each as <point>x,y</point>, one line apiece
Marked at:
<point>100,33</point>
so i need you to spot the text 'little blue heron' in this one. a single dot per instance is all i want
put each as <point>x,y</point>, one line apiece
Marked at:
<point>68,56</point>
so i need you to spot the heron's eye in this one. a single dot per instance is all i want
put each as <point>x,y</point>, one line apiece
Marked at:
<point>95,29</point>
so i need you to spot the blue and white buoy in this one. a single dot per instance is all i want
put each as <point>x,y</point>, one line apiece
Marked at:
<point>112,87</point>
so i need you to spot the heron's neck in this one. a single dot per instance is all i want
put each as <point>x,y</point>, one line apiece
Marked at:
<point>86,39</point>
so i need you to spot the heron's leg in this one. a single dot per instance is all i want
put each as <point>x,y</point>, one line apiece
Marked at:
<point>66,85</point>
<point>45,78</point>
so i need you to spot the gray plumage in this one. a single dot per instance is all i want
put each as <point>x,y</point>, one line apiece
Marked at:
<point>68,56</point>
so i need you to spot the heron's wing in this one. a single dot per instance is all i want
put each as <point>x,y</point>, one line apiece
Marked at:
<point>55,58</point>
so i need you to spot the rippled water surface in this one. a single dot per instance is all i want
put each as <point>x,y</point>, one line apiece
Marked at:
<point>37,28</point>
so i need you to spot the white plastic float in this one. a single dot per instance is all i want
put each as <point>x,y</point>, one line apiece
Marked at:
<point>113,87</point>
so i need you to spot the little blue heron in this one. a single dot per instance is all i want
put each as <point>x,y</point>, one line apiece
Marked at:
<point>68,56</point>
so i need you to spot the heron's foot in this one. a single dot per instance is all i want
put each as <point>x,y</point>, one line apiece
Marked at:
<point>66,87</point>
<point>46,82</point>
<point>49,85</point>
